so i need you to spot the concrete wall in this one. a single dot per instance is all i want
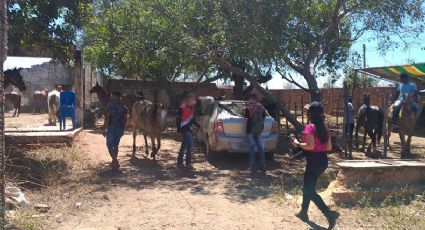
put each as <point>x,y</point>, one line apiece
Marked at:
<point>44,76</point>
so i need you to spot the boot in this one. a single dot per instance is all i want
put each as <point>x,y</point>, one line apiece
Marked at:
<point>332,216</point>
<point>302,215</point>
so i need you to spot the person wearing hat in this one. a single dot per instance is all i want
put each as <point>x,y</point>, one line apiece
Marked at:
<point>404,87</point>
<point>316,142</point>
<point>114,126</point>
<point>184,121</point>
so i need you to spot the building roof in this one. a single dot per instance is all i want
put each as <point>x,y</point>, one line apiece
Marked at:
<point>392,73</point>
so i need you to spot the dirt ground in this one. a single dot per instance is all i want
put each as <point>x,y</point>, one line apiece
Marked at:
<point>220,194</point>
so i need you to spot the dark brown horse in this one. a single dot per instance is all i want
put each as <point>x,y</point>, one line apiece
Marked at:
<point>150,118</point>
<point>105,97</point>
<point>14,77</point>
<point>15,99</point>
<point>371,118</point>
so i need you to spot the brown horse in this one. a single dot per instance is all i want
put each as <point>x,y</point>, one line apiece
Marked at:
<point>406,123</point>
<point>39,101</point>
<point>104,98</point>
<point>150,118</point>
<point>15,99</point>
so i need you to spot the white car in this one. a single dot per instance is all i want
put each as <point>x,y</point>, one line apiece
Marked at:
<point>223,128</point>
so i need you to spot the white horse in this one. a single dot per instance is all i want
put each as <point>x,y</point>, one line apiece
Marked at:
<point>53,99</point>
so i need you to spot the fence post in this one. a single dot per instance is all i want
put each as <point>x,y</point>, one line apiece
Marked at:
<point>348,144</point>
<point>289,109</point>
<point>385,127</point>
<point>302,109</point>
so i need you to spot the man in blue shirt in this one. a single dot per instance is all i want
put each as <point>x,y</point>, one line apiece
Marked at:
<point>405,87</point>
<point>114,126</point>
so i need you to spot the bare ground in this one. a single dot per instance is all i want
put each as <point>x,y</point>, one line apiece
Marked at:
<point>220,194</point>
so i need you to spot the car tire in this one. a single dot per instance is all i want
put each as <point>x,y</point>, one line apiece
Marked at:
<point>269,155</point>
<point>208,151</point>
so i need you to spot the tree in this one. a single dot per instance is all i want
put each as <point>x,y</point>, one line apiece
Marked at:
<point>46,28</point>
<point>3,54</point>
<point>356,80</point>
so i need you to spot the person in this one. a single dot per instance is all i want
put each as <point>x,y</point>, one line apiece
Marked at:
<point>350,120</point>
<point>114,125</point>
<point>404,87</point>
<point>184,121</point>
<point>316,142</point>
<point>255,114</point>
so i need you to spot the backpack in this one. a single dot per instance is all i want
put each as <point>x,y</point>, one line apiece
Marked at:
<point>256,117</point>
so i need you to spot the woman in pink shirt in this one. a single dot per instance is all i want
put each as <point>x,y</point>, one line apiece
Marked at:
<point>316,143</point>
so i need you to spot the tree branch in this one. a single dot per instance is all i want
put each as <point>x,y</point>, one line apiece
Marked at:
<point>291,80</point>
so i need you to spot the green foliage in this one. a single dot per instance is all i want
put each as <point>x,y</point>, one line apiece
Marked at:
<point>183,37</point>
<point>46,27</point>
<point>360,80</point>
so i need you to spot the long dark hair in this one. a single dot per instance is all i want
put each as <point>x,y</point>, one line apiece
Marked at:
<point>322,130</point>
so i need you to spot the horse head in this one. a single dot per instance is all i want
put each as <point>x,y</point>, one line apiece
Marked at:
<point>366,99</point>
<point>159,113</point>
<point>15,78</point>
<point>96,88</point>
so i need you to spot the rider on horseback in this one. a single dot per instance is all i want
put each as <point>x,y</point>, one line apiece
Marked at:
<point>405,87</point>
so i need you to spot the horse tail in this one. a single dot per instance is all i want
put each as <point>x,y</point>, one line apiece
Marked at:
<point>380,125</point>
<point>154,111</point>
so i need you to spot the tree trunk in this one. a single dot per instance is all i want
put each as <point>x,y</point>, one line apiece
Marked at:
<point>315,94</point>
<point>253,81</point>
<point>171,92</point>
<point>238,92</point>
<point>3,55</point>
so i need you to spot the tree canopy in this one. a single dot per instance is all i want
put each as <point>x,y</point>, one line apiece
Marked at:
<point>46,28</point>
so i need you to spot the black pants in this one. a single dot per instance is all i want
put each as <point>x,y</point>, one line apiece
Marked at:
<point>316,165</point>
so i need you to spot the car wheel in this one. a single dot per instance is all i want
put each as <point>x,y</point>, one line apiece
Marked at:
<point>270,156</point>
<point>208,151</point>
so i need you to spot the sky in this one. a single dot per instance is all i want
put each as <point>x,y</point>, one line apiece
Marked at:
<point>398,56</point>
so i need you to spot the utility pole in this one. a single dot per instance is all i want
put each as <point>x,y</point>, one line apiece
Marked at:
<point>3,56</point>
<point>364,56</point>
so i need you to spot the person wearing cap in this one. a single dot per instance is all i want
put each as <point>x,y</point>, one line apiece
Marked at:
<point>316,143</point>
<point>184,121</point>
<point>114,126</point>
<point>404,87</point>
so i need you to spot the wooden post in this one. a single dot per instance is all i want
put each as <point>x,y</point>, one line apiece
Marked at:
<point>3,55</point>
<point>287,122</point>
<point>348,149</point>
<point>337,112</point>
<point>302,109</point>
<point>296,110</point>
<point>385,127</point>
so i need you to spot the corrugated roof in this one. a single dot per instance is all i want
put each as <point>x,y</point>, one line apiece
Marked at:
<point>392,73</point>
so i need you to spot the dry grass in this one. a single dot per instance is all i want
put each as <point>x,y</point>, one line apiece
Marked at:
<point>50,176</point>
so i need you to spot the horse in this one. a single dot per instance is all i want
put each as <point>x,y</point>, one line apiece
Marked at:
<point>406,123</point>
<point>371,118</point>
<point>104,98</point>
<point>53,99</point>
<point>39,99</point>
<point>14,77</point>
<point>150,118</point>
<point>15,99</point>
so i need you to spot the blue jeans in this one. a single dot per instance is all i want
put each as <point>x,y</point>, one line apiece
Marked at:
<point>186,147</point>
<point>255,142</point>
<point>113,138</point>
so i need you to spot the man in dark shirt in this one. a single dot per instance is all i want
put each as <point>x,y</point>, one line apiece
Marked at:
<point>114,126</point>
<point>255,114</point>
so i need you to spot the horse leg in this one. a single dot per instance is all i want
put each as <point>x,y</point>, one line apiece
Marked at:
<point>364,140</point>
<point>390,127</point>
<point>403,143</point>
<point>153,153</point>
<point>146,144</point>
<point>134,140</point>
<point>357,135</point>
<point>374,137</point>
<point>409,140</point>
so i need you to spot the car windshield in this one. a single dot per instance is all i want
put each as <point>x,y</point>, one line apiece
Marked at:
<point>235,108</point>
